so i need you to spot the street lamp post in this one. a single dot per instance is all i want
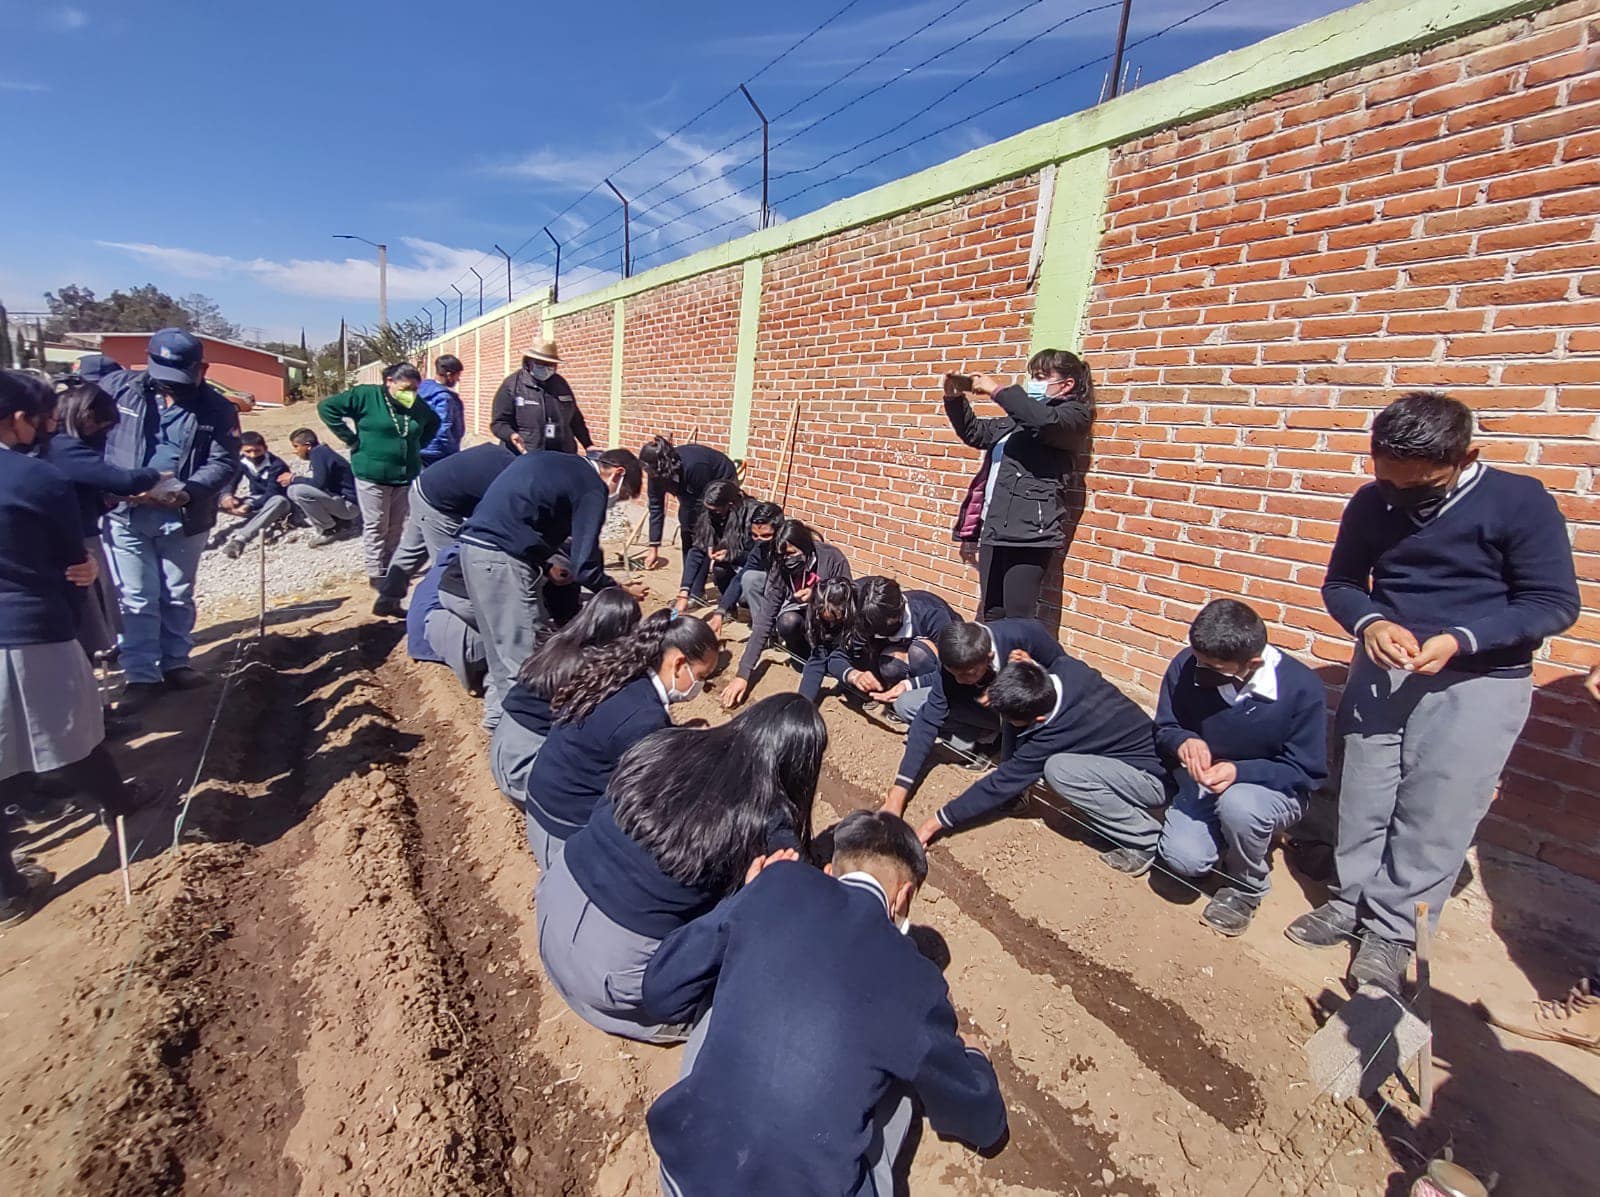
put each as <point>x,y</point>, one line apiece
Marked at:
<point>383,272</point>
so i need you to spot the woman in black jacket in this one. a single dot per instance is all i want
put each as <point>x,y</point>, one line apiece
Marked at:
<point>1030,460</point>
<point>685,474</point>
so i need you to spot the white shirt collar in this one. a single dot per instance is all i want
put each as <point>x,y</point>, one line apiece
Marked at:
<point>1061,701</point>
<point>906,631</point>
<point>994,651</point>
<point>1263,682</point>
<point>661,691</point>
<point>866,881</point>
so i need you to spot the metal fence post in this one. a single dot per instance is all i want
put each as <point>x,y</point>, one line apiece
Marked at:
<point>627,241</point>
<point>765,135</point>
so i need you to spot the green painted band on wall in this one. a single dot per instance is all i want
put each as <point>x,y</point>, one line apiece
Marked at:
<point>616,371</point>
<point>744,365</point>
<point>1071,246</point>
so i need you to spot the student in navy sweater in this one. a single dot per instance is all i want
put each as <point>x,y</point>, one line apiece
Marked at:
<point>1450,575</point>
<point>618,698</point>
<point>684,473</point>
<point>1243,729</point>
<point>443,497</point>
<point>755,561</point>
<point>441,634</point>
<point>557,659</point>
<point>529,511</point>
<point>720,544</point>
<point>883,644</point>
<point>1067,724</point>
<point>266,498</point>
<point>327,498</point>
<point>971,656</point>
<point>824,1023</point>
<point>683,818</point>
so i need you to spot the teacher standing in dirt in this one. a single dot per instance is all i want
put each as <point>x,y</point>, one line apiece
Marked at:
<point>535,408</point>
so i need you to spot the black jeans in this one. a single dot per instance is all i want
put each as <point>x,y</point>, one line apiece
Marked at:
<point>1010,579</point>
<point>95,778</point>
<point>790,627</point>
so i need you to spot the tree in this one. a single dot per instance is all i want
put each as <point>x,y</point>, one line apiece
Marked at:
<point>206,318</point>
<point>76,308</point>
<point>391,343</point>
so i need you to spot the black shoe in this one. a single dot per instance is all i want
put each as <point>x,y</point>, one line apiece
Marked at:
<point>1323,927</point>
<point>19,908</point>
<point>233,549</point>
<point>1135,862</point>
<point>1230,911</point>
<point>1380,962</point>
<point>117,723</point>
<point>322,539</point>
<point>185,678</point>
<point>138,695</point>
<point>390,607</point>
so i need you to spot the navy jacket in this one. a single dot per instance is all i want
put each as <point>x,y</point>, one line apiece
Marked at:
<point>530,709</point>
<point>93,478</point>
<point>1493,568</point>
<point>456,485</point>
<point>264,485</point>
<point>572,770</point>
<point>780,590</point>
<point>929,613</point>
<point>535,504</point>
<point>626,883</point>
<point>452,415</point>
<point>702,465</point>
<point>1008,634</point>
<point>1280,743</point>
<point>331,473</point>
<point>1093,718</point>
<point>40,536</point>
<point>209,462</point>
<point>820,1005</point>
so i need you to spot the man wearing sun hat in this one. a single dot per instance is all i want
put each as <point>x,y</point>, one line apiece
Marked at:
<point>535,408</point>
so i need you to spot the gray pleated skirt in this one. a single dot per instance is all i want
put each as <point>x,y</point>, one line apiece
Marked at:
<point>50,713</point>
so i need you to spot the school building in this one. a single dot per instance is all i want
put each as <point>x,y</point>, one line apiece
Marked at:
<point>1255,256</point>
<point>241,369</point>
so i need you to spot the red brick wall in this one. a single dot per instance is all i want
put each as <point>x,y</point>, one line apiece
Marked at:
<point>679,345</point>
<point>585,343</point>
<point>484,376</point>
<point>1269,278</point>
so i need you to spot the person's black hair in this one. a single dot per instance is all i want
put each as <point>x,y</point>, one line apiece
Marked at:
<point>22,394</point>
<point>558,655</point>
<point>725,531</point>
<point>704,803</point>
<point>402,372</point>
<point>1423,426</point>
<point>303,436</point>
<point>252,438</point>
<point>1228,630</point>
<point>830,612</point>
<point>612,666</point>
<point>768,515</point>
<point>447,363</point>
<point>1021,692</point>
<point>1069,366</point>
<point>660,456</point>
<point>881,608</point>
<point>791,532</point>
<point>867,835</point>
<point>84,401</point>
<point>964,644</point>
<point>632,475</point>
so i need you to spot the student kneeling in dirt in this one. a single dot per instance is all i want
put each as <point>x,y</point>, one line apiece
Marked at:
<point>266,499</point>
<point>873,637</point>
<point>769,1101</point>
<point>440,626</point>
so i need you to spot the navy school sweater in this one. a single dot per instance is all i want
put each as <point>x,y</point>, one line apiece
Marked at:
<point>530,709</point>
<point>41,534</point>
<point>261,482</point>
<point>331,474</point>
<point>830,563</point>
<point>572,770</point>
<point>535,504</point>
<point>1008,634</point>
<point>1493,568</point>
<point>702,465</point>
<point>820,1005</point>
<point>93,478</point>
<point>1280,743</point>
<point>929,615</point>
<point>624,881</point>
<point>455,484</point>
<point>1093,718</point>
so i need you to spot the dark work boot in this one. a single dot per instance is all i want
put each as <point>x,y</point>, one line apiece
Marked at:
<point>21,906</point>
<point>1380,962</point>
<point>1324,927</point>
<point>1229,912</point>
<point>1135,862</point>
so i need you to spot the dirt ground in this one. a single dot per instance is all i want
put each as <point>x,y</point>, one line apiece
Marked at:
<point>332,986</point>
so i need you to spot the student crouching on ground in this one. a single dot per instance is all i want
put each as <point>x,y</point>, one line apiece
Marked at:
<point>754,555</point>
<point>1031,459</point>
<point>558,656</point>
<point>719,546</point>
<point>385,425</point>
<point>685,814</point>
<point>52,730</point>
<point>800,559</point>
<point>888,646</point>
<point>620,695</point>
<point>685,474</point>
<point>441,635</point>
<point>168,420</point>
<point>439,393</point>
<point>327,498</point>
<point>266,500</point>
<point>1449,574</point>
<point>825,1024</point>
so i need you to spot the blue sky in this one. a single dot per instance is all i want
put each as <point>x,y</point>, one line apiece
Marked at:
<point>218,146</point>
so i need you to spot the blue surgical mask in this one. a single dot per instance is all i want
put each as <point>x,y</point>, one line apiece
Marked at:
<point>1035,388</point>
<point>542,373</point>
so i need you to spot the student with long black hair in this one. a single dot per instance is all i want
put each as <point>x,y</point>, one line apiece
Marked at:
<point>887,647</point>
<point>800,560</point>
<point>620,695</point>
<point>684,473</point>
<point>720,544</point>
<point>558,656</point>
<point>750,582</point>
<point>683,818</point>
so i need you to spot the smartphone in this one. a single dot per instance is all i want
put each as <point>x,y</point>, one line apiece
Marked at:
<point>960,382</point>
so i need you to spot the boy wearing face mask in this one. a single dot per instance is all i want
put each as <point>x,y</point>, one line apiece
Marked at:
<point>1450,575</point>
<point>535,409</point>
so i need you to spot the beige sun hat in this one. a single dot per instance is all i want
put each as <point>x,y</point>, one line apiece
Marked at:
<point>544,350</point>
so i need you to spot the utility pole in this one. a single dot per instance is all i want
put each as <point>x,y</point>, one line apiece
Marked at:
<point>383,273</point>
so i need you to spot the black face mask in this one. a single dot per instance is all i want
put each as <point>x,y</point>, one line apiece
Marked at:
<point>1214,679</point>
<point>794,564</point>
<point>1423,502</point>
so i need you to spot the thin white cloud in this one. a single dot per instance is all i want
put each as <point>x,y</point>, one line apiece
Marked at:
<point>67,19</point>
<point>20,85</point>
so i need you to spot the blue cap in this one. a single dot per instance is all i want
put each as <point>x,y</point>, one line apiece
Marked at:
<point>92,367</point>
<point>176,356</point>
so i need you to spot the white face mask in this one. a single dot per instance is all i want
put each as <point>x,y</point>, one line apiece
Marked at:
<point>542,373</point>
<point>676,695</point>
<point>1036,388</point>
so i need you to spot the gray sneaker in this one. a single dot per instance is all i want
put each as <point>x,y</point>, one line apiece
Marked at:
<point>1380,962</point>
<point>232,549</point>
<point>1135,862</point>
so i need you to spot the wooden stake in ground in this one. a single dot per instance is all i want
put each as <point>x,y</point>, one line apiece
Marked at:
<point>1423,1005</point>
<point>122,853</point>
<point>261,617</point>
<point>788,452</point>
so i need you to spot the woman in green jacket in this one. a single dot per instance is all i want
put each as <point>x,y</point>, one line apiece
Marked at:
<point>385,427</point>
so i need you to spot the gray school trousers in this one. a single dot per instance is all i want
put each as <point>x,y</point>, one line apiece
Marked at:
<point>383,518</point>
<point>270,512</point>
<point>506,598</point>
<point>511,755</point>
<point>458,642</point>
<point>1422,757</point>
<point>1233,829</point>
<point>891,1124</point>
<point>428,532</point>
<point>1115,798</point>
<point>324,511</point>
<point>966,726</point>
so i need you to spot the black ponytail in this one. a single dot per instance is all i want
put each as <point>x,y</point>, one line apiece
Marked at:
<point>660,458</point>
<point>21,394</point>
<point>830,612</point>
<point>558,654</point>
<point>608,668</point>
